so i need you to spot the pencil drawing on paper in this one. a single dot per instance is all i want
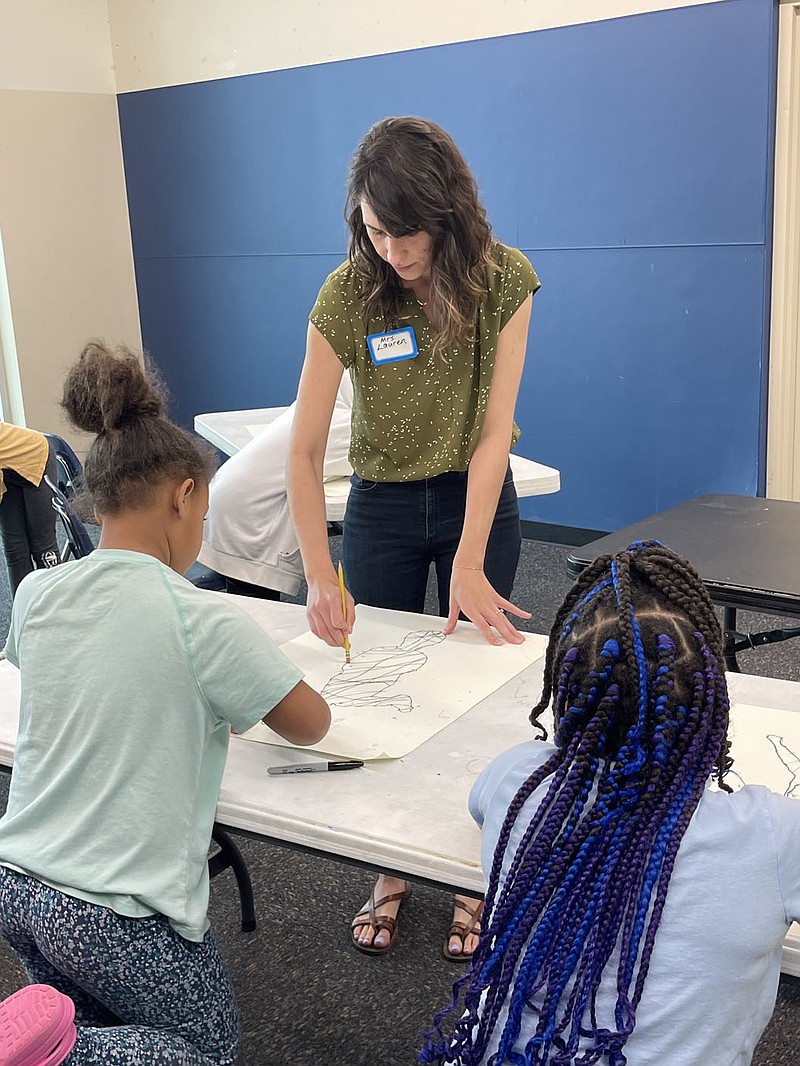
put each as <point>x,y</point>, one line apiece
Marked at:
<point>751,764</point>
<point>734,780</point>
<point>406,681</point>
<point>789,760</point>
<point>364,682</point>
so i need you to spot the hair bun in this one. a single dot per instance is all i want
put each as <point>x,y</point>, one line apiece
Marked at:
<point>109,389</point>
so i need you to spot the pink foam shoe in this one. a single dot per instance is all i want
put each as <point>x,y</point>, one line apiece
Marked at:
<point>37,1027</point>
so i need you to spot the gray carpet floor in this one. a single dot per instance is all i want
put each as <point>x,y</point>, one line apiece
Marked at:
<point>306,996</point>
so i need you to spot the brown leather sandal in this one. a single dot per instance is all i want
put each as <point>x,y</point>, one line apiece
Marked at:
<point>379,923</point>
<point>463,930</point>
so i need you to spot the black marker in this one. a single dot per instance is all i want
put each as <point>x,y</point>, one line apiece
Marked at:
<point>315,767</point>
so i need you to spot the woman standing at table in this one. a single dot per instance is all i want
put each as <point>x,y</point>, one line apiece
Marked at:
<point>430,317</point>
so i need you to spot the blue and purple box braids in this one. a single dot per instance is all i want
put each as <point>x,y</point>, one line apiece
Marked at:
<point>635,667</point>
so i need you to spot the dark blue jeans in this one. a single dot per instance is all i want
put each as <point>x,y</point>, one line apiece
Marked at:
<point>393,531</point>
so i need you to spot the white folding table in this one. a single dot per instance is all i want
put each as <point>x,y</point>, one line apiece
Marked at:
<point>407,816</point>
<point>231,430</point>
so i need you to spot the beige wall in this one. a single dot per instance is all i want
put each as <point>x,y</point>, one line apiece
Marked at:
<point>170,42</point>
<point>63,208</point>
<point>56,45</point>
<point>64,221</point>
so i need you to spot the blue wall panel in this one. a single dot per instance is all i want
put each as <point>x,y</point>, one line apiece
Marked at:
<point>629,158</point>
<point>654,407</point>
<point>229,332</point>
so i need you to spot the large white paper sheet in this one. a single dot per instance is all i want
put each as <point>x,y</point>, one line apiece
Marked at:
<point>765,747</point>
<point>406,681</point>
<point>278,626</point>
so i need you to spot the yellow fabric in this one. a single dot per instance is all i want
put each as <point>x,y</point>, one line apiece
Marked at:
<point>24,451</point>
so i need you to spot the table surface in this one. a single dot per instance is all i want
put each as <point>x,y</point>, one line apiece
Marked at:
<point>227,430</point>
<point>406,815</point>
<point>745,548</point>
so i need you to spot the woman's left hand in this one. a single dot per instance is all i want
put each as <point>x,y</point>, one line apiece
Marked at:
<point>472,595</point>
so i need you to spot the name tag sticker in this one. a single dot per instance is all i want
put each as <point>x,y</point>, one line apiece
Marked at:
<point>393,346</point>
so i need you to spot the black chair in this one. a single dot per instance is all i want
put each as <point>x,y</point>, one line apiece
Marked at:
<point>68,465</point>
<point>69,473</point>
<point>78,545</point>
<point>230,856</point>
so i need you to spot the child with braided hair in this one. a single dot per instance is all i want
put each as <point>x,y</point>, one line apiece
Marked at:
<point>633,913</point>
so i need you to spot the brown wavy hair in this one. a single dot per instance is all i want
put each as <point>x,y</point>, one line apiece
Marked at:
<point>117,396</point>
<point>414,178</point>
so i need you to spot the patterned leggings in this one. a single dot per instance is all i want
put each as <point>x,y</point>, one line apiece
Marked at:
<point>142,993</point>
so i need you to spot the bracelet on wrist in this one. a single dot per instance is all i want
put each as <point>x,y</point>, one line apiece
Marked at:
<point>458,566</point>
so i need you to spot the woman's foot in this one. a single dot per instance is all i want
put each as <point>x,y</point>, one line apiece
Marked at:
<point>462,939</point>
<point>37,1027</point>
<point>375,925</point>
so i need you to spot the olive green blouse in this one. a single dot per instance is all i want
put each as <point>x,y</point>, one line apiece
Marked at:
<point>419,417</point>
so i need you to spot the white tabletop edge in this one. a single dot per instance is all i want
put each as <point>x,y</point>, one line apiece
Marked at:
<point>227,430</point>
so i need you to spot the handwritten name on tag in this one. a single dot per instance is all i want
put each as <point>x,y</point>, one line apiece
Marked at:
<point>392,346</point>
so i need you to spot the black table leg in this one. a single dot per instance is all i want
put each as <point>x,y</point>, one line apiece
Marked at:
<point>728,629</point>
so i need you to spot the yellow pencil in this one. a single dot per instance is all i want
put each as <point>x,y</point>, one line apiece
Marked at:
<point>344,613</point>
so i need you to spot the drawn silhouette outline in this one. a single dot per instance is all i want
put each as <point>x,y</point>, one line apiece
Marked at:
<point>790,760</point>
<point>359,684</point>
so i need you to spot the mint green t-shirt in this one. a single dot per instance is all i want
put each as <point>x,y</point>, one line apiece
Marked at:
<point>131,679</point>
<point>424,416</point>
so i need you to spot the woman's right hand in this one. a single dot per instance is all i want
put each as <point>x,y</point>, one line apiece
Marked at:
<point>324,610</point>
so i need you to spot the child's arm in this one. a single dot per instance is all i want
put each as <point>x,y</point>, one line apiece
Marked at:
<point>301,717</point>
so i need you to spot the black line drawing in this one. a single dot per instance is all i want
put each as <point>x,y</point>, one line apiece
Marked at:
<point>733,779</point>
<point>360,683</point>
<point>790,760</point>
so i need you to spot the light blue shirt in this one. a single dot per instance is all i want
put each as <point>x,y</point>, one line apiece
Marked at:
<point>734,891</point>
<point>131,680</point>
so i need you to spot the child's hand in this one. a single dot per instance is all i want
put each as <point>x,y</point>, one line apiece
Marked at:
<point>473,596</point>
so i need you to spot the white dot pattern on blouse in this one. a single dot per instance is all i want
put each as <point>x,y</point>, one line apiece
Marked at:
<point>420,417</point>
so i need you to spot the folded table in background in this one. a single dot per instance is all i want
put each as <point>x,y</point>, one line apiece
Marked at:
<point>231,430</point>
<point>407,816</point>
<point>744,548</point>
